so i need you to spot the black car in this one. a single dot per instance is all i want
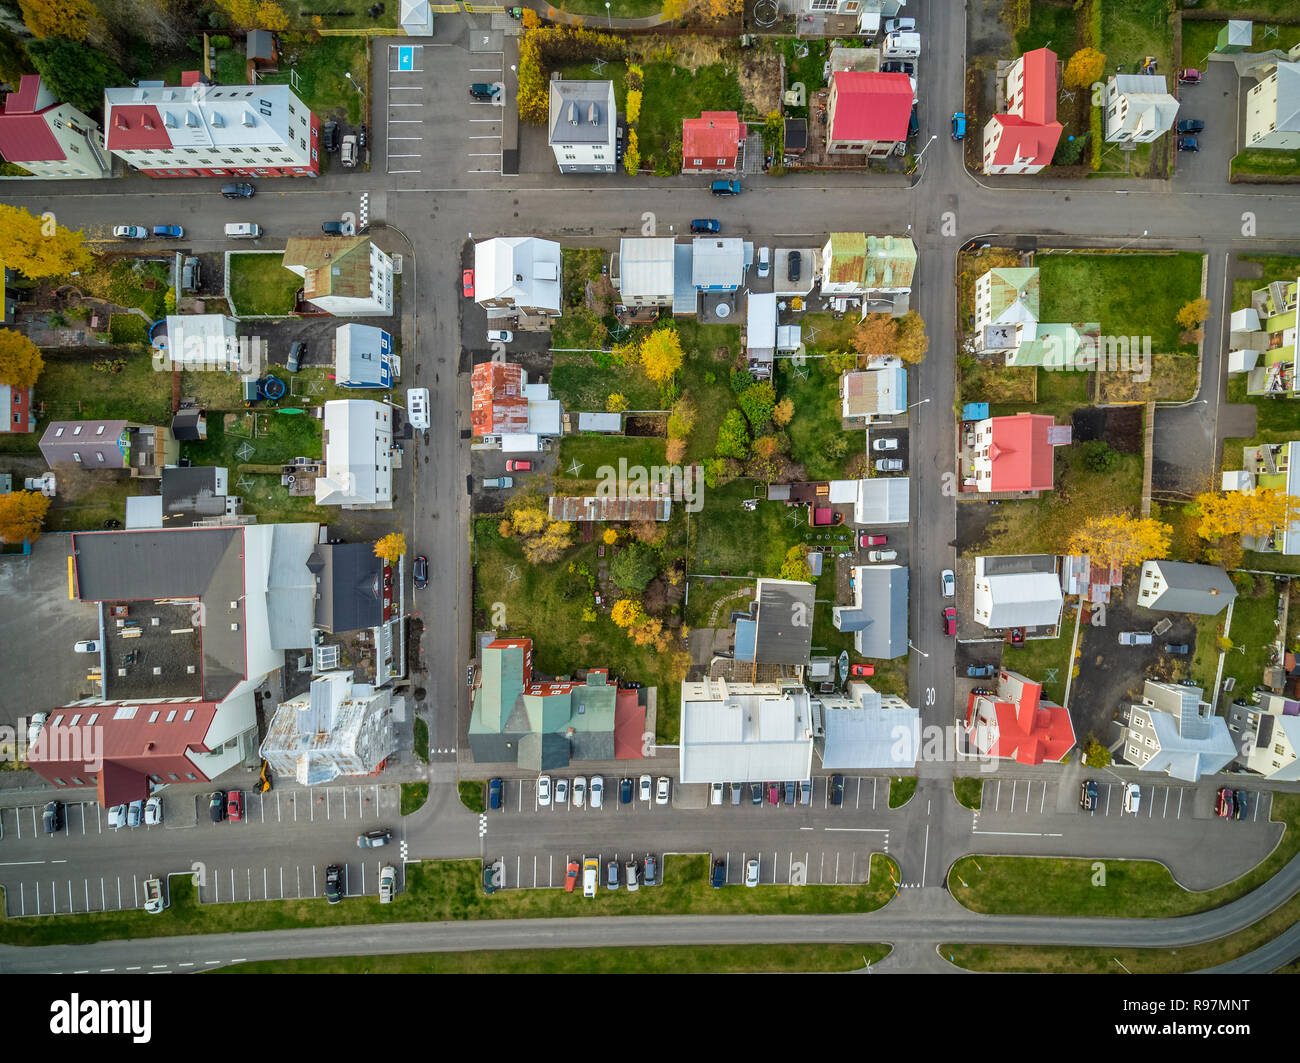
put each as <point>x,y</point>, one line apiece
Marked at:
<point>1188,144</point>
<point>756,792</point>
<point>898,67</point>
<point>330,136</point>
<point>913,126</point>
<point>718,879</point>
<point>706,225</point>
<point>420,572</point>
<point>1088,795</point>
<point>1190,125</point>
<point>794,265</point>
<point>296,350</point>
<point>790,790</point>
<point>332,228</point>
<point>1240,805</point>
<point>1179,648</point>
<point>373,839</point>
<point>625,791</point>
<point>52,819</point>
<point>837,789</point>
<point>217,805</point>
<point>334,883</point>
<point>240,190</point>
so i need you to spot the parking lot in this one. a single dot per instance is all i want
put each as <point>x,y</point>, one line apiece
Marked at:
<point>1159,800</point>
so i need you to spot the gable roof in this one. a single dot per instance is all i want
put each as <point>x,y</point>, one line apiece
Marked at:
<point>878,614</point>
<point>25,135</point>
<point>1020,454</point>
<point>154,116</point>
<point>867,737</point>
<point>330,265</point>
<point>845,261</point>
<point>882,500</point>
<point>875,391</point>
<point>349,586</point>
<point>1023,141</point>
<point>1190,588</point>
<point>870,106</point>
<point>580,100</point>
<point>783,623</point>
<point>890,261</point>
<point>1017,723</point>
<point>1039,76</point>
<point>714,135</point>
<point>521,269</point>
<point>1288,97</point>
<point>499,406</point>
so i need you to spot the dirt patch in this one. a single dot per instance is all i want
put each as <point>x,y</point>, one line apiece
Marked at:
<point>655,425</point>
<point>1121,428</point>
<point>760,80</point>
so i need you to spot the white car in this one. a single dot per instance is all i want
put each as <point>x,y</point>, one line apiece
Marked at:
<point>764,261</point>
<point>500,335</point>
<point>562,792</point>
<point>153,812</point>
<point>579,792</point>
<point>645,787</point>
<point>387,884</point>
<point>130,232</point>
<point>87,646</point>
<point>661,791</point>
<point>877,556</point>
<point>117,817</point>
<point>751,873</point>
<point>949,583</point>
<point>633,876</point>
<point>900,25</point>
<point>34,726</point>
<point>1132,797</point>
<point>888,443</point>
<point>715,794</point>
<point>597,791</point>
<point>543,789</point>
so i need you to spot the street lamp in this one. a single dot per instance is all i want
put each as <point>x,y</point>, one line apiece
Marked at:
<point>921,402</point>
<point>1134,240</point>
<point>348,74</point>
<point>921,154</point>
<point>914,646</point>
<point>608,23</point>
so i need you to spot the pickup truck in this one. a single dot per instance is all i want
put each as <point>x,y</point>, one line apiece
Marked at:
<point>1135,638</point>
<point>350,150</point>
<point>154,898</point>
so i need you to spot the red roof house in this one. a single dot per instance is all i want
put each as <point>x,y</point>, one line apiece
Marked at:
<point>1017,723</point>
<point>712,143</point>
<point>1024,139</point>
<point>868,112</point>
<point>18,401</point>
<point>47,138</point>
<point>499,406</point>
<point>1016,453</point>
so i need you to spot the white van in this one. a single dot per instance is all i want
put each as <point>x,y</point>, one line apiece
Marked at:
<point>417,407</point>
<point>1132,797</point>
<point>902,46</point>
<point>590,875</point>
<point>243,230</point>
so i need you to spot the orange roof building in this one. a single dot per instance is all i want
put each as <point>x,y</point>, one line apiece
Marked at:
<point>1017,723</point>
<point>499,405</point>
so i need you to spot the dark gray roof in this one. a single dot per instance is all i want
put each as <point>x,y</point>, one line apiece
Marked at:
<point>185,424</point>
<point>881,621</point>
<point>785,618</point>
<point>572,105</point>
<point>1190,588</point>
<point>349,586</point>
<point>259,45</point>
<point>796,134</point>
<point>190,494</point>
<point>1008,564</point>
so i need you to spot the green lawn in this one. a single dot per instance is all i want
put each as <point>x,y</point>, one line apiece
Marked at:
<point>1052,23</point>
<point>969,792</point>
<point>678,959</point>
<point>706,377</point>
<point>1037,657</point>
<point>592,453</point>
<point>901,791</point>
<point>321,67</point>
<point>1132,30</point>
<point>672,93</point>
<point>583,386</point>
<point>356,19</point>
<point>981,382</point>
<point>130,283</point>
<point>1273,268</point>
<point>1253,632</point>
<point>71,389</point>
<point>414,794</point>
<point>421,740</point>
<point>1266,162</point>
<point>128,328</point>
<point>817,442</point>
<point>471,795</point>
<point>1199,36</point>
<point>260,285</point>
<point>617,9</point>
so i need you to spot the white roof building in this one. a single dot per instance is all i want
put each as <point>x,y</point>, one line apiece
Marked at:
<point>205,341</point>
<point>717,263</point>
<point>358,453</point>
<point>363,357</point>
<point>881,500</point>
<point>643,272</point>
<point>1017,592</point>
<point>520,273</point>
<point>869,731</point>
<point>415,18</point>
<point>1273,110</point>
<point>1138,108</point>
<point>745,732</point>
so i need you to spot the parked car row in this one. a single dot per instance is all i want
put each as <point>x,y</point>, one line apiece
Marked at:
<point>226,806</point>
<point>1088,796</point>
<point>1231,804</point>
<point>558,791</point>
<point>150,813</point>
<point>631,874</point>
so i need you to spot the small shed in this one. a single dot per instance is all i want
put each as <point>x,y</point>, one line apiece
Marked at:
<point>1235,37</point>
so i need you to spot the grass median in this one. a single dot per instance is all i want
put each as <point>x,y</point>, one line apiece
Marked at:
<point>969,792</point>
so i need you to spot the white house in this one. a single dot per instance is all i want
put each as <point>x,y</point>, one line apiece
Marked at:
<point>1180,587</point>
<point>207,341</point>
<point>363,357</point>
<point>1138,107</point>
<point>49,139</point>
<point>1017,592</point>
<point>1273,110</point>
<point>347,276</point>
<point>1267,736</point>
<point>581,126</point>
<point>358,452</point>
<point>643,270</point>
<point>874,394</point>
<point>1006,309</point>
<point>1172,730</point>
<point>517,274</point>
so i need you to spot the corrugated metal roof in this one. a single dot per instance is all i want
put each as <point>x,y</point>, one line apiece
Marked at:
<point>718,263</point>
<point>866,739</point>
<point>593,507</point>
<point>753,736</point>
<point>646,267</point>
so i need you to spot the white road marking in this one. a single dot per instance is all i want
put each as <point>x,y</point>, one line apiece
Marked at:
<point>1018,833</point>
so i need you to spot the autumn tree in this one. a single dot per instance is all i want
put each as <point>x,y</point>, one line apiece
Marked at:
<point>733,436</point>
<point>1118,539</point>
<point>675,452</point>
<point>542,538</point>
<point>842,361</point>
<point>69,20</point>
<point>20,360</point>
<point>1096,754</point>
<point>911,343</point>
<point>1192,313</point>
<point>256,14</point>
<point>617,401</point>
<point>531,19</point>
<point>21,516</point>
<point>38,247</point>
<point>682,419</point>
<point>661,355</point>
<point>783,412</point>
<point>609,537</point>
<point>391,547</point>
<point>876,336</point>
<point>650,532</point>
<point>1085,68</point>
<point>626,612</point>
<point>1254,513</point>
<point>795,565</point>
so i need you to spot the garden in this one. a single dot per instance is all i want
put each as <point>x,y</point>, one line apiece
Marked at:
<point>260,286</point>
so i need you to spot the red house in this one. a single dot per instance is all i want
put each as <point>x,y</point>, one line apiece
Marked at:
<point>1024,139</point>
<point>713,142</point>
<point>867,113</point>
<point>1016,453</point>
<point>18,401</point>
<point>1017,724</point>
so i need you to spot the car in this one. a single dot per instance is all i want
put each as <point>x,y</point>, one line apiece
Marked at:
<point>661,790</point>
<point>562,791</point>
<point>1223,803</point>
<point>764,261</point>
<point>794,265</point>
<point>117,817</point>
<point>900,25</point>
<point>773,793</point>
<point>751,873</point>
<point>334,883</point>
<point>580,792</point>
<point>887,443</point>
<point>718,877</point>
<point>980,671</point>
<point>1189,76</point>
<point>948,579</point>
<point>52,817</point>
<point>217,805</point>
<point>1191,125</point>
<point>482,90</point>
<point>86,646</point>
<point>737,792</point>
<point>496,794</point>
<point>650,871</point>
<point>1135,638</point>
<point>491,877</point>
<point>134,813</point>
<point>333,228</point>
<point>863,669</point>
<point>837,789</point>
<point>790,790</point>
<point>898,66</point>
<point>756,793</point>
<point>330,136</point>
<point>876,556</point>
<point>715,793</point>
<point>130,232</point>
<point>1179,649</point>
<point>235,806</point>
<point>571,876</point>
<point>913,125</point>
<point>625,791</point>
<point>296,350</point>
<point>168,232</point>
<point>191,273</point>
<point>590,876</point>
<point>373,839</point>
<point>1088,795</point>
<point>706,225</point>
<point>1132,797</point>
<point>597,791</point>
<point>498,483</point>
<point>519,466</point>
<point>958,126</point>
<point>543,790</point>
<point>632,875</point>
<point>1239,804</point>
<point>420,572</point>
<point>873,540</point>
<point>805,792</point>
<point>243,230</point>
<point>349,154</point>
<point>950,621</point>
<point>387,884</point>
<point>725,188</point>
<point>500,335</point>
<point>611,875</point>
<point>889,465</point>
<point>1188,144</point>
<point>238,190</point>
<point>645,787</point>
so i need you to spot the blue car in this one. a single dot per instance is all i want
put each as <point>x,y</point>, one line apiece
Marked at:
<point>168,232</point>
<point>495,794</point>
<point>706,225</point>
<point>959,126</point>
<point>980,671</point>
<point>1188,144</point>
<point>625,791</point>
<point>725,188</point>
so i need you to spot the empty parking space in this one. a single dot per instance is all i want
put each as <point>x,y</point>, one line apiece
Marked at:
<point>276,882</point>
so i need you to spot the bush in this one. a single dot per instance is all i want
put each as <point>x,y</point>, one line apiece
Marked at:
<point>741,380</point>
<point>1099,456</point>
<point>632,154</point>
<point>1070,151</point>
<point>1095,137</point>
<point>220,41</point>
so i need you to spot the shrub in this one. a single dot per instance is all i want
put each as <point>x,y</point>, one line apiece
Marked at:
<point>1095,135</point>
<point>632,109</point>
<point>741,380</point>
<point>220,41</point>
<point>632,154</point>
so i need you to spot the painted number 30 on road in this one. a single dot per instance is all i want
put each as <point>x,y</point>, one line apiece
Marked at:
<point>929,695</point>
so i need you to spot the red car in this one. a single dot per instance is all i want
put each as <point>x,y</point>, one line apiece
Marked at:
<point>872,540</point>
<point>863,669</point>
<point>467,283</point>
<point>235,806</point>
<point>519,466</point>
<point>773,794</point>
<point>1190,76</point>
<point>571,877</point>
<point>950,621</point>
<point>1223,806</point>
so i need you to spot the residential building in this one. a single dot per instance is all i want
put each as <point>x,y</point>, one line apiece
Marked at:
<point>745,732</point>
<point>864,730</point>
<point>1138,108</point>
<point>1273,110</point>
<point>587,508</point>
<point>358,442</point>
<point>358,613</point>
<point>196,496</point>
<point>879,500</point>
<point>1263,341</point>
<point>261,53</point>
<point>208,341</point>
<point>1180,587</point>
<point>765,336</point>
<point>510,412</point>
<point>1006,309</point>
<point>581,126</point>
<point>867,113</point>
<point>890,266</point>
<point>1018,593</point>
<point>1024,139</point>
<point>191,622</point>
<point>364,358</point>
<point>1017,723</point>
<point>1267,736</point>
<point>336,729</point>
<point>542,724</point>
<point>717,263</point>
<point>21,417</point>
<point>713,143</point>
<point>838,18</point>
<point>1015,453</point>
<point>203,130</point>
<point>643,270</point>
<point>844,265</point>
<point>878,614</point>
<point>1065,346</point>
<point>1171,729</point>
<point>48,139</point>
<point>141,449</point>
<point>874,394</point>
<point>778,629</point>
<point>1270,467</point>
<point>347,276</point>
<point>517,275</point>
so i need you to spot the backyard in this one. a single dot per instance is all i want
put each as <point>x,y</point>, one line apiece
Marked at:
<point>817,442</point>
<point>130,282</point>
<point>260,286</point>
<point>1200,35</point>
<point>1045,661</point>
<point>322,66</point>
<point>1254,629</point>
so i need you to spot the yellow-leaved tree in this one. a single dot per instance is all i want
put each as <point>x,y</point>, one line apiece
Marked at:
<point>391,547</point>
<point>627,612</point>
<point>1084,68</point>
<point>20,360</point>
<point>610,536</point>
<point>38,247</point>
<point>21,516</point>
<point>1119,539</point>
<point>1247,513</point>
<point>71,20</point>
<point>911,343</point>
<point>876,336</point>
<point>1192,313</point>
<point>661,355</point>
<point>783,412</point>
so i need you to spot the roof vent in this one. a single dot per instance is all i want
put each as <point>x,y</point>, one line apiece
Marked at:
<point>119,120</point>
<point>573,113</point>
<point>593,114</point>
<point>169,119</point>
<point>191,119</point>
<point>217,120</point>
<point>248,119</point>
<point>234,627</point>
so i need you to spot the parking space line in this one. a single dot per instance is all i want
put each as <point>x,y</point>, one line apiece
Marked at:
<point>997,797</point>
<point>407,121</point>
<point>407,157</point>
<point>103,895</point>
<point>266,891</point>
<point>1043,803</point>
<point>1108,799</point>
<point>837,869</point>
<point>281,882</point>
<point>1181,790</point>
<point>1165,813</point>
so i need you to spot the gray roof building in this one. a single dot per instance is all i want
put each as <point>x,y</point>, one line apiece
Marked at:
<point>1173,730</point>
<point>878,615</point>
<point>581,126</point>
<point>865,732</point>
<point>349,586</point>
<point>779,628</point>
<point>1179,587</point>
